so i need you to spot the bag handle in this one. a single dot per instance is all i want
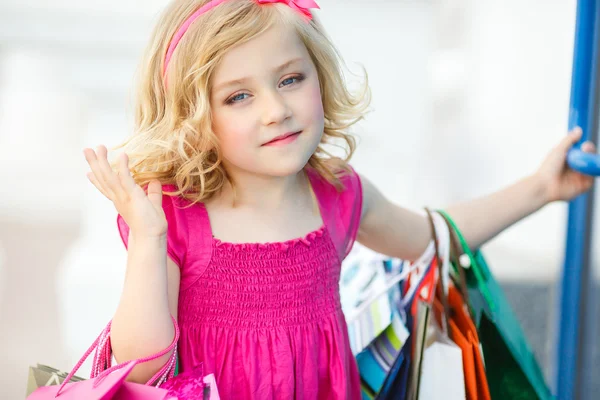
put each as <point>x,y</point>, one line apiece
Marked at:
<point>421,262</point>
<point>425,260</point>
<point>473,265</point>
<point>458,255</point>
<point>441,290</point>
<point>102,342</point>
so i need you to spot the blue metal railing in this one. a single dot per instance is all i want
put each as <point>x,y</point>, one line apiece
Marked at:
<point>570,349</point>
<point>583,84</point>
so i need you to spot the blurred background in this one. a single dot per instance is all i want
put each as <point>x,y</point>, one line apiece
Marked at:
<point>468,96</point>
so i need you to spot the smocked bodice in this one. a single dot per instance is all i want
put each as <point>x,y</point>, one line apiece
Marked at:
<point>256,286</point>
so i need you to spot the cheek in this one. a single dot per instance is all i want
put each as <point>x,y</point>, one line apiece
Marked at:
<point>235,142</point>
<point>233,136</point>
<point>317,103</point>
<point>231,127</point>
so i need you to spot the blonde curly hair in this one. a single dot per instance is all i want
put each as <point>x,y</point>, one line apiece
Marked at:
<point>174,142</point>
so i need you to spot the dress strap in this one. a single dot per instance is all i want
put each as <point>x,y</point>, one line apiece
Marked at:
<point>201,245</point>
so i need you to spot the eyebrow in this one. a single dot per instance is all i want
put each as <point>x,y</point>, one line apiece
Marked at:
<point>283,66</point>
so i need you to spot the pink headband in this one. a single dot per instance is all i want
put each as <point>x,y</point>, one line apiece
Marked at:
<point>302,6</point>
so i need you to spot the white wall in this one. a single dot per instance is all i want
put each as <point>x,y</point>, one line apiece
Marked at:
<point>519,96</point>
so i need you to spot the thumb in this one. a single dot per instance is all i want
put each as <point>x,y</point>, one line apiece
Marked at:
<point>588,147</point>
<point>155,193</point>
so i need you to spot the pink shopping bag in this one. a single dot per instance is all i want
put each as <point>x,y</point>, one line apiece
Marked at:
<point>109,386</point>
<point>108,383</point>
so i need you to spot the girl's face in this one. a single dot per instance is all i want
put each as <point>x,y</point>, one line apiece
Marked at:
<point>266,105</point>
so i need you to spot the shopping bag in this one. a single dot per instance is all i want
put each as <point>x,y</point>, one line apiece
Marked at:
<point>418,342</point>
<point>511,368</point>
<point>464,334</point>
<point>442,375</point>
<point>376,361</point>
<point>43,375</point>
<point>419,297</point>
<point>385,363</point>
<point>441,366</point>
<point>396,383</point>
<point>108,383</point>
<point>114,388</point>
<point>110,386</point>
<point>369,291</point>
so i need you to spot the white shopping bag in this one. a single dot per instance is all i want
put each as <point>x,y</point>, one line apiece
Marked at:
<point>438,364</point>
<point>441,368</point>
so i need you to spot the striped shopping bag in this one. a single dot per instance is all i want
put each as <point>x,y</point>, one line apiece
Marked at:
<point>370,295</point>
<point>376,360</point>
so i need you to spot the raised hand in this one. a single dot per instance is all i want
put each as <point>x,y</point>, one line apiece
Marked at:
<point>560,181</point>
<point>141,210</point>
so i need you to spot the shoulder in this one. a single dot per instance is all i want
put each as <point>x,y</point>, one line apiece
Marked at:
<point>370,194</point>
<point>350,179</point>
<point>351,192</point>
<point>339,180</point>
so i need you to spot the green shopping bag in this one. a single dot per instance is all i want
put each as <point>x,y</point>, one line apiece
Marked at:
<point>511,368</point>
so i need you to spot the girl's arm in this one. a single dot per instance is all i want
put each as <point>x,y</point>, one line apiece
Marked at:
<point>398,232</point>
<point>484,218</point>
<point>142,325</point>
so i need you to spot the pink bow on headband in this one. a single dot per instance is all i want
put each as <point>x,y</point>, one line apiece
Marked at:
<point>303,6</point>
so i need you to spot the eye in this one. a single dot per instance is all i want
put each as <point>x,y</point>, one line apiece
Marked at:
<point>236,98</point>
<point>291,80</point>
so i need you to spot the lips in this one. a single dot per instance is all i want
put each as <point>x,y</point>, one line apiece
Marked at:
<point>283,139</point>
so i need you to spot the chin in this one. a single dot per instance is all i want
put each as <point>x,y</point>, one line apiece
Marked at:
<point>285,167</point>
<point>281,165</point>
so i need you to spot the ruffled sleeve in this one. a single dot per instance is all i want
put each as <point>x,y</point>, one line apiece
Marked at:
<point>177,231</point>
<point>341,210</point>
<point>350,203</point>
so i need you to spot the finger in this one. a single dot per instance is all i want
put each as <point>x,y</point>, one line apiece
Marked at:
<point>92,160</point>
<point>125,177</point>
<point>576,132</point>
<point>92,178</point>
<point>588,147</point>
<point>573,137</point>
<point>155,193</point>
<point>107,175</point>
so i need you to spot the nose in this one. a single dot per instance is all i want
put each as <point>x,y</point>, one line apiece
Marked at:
<point>275,108</point>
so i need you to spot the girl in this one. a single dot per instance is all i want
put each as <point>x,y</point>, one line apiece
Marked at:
<point>245,218</point>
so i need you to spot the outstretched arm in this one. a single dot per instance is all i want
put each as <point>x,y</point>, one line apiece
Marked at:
<point>398,232</point>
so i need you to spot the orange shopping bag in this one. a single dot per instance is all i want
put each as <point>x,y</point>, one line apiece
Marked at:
<point>462,331</point>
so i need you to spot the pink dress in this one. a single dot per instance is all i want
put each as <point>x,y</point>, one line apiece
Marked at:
<point>266,319</point>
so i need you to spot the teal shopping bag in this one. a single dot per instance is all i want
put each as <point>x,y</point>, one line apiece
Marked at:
<point>511,368</point>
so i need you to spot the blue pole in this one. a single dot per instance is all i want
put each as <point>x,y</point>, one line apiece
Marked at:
<point>583,81</point>
<point>570,356</point>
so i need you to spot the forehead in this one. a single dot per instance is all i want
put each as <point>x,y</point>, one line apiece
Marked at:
<point>272,48</point>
